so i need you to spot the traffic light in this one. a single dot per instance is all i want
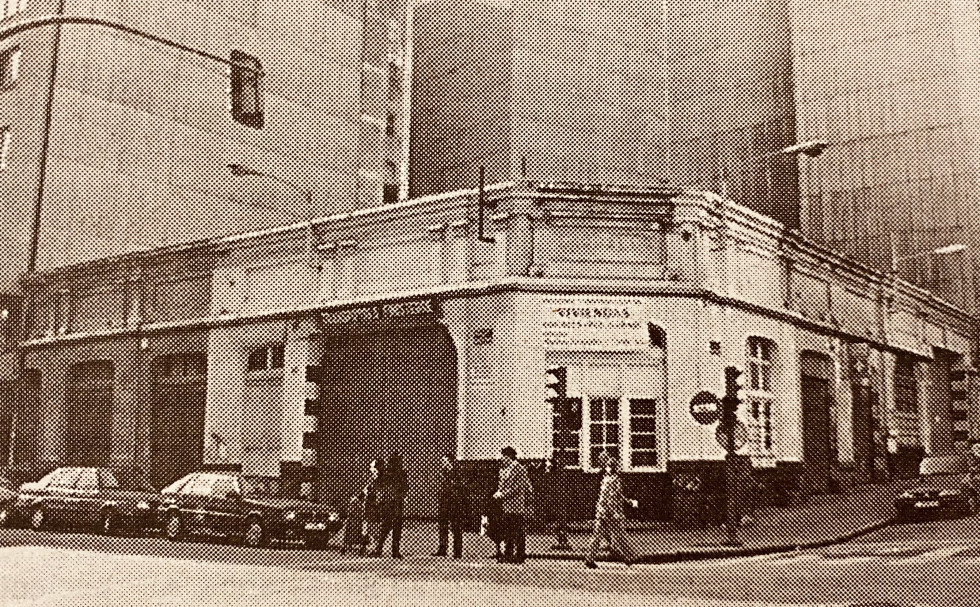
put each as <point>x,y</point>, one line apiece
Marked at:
<point>569,410</point>
<point>734,395</point>
<point>556,383</point>
<point>245,89</point>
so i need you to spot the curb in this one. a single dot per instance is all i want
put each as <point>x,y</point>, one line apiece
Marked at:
<point>680,556</point>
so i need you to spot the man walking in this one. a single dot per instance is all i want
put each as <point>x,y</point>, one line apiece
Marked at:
<point>514,492</point>
<point>452,507</point>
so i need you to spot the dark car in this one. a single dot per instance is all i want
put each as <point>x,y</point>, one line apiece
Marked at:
<point>230,506</point>
<point>88,499</point>
<point>8,497</point>
<point>941,490</point>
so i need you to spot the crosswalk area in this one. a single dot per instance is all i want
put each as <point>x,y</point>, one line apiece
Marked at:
<point>899,555</point>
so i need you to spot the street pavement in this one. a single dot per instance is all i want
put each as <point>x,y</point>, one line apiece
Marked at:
<point>835,550</point>
<point>933,564</point>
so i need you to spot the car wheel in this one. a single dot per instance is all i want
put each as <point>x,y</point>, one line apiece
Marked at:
<point>109,523</point>
<point>254,533</point>
<point>174,529</point>
<point>38,519</point>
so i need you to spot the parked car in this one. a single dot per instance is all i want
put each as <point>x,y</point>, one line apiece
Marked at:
<point>8,497</point>
<point>228,505</point>
<point>940,491</point>
<point>89,499</point>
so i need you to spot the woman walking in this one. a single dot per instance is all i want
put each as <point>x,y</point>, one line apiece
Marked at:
<point>609,516</point>
<point>371,525</point>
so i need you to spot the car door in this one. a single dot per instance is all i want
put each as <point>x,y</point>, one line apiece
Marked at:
<point>85,504</point>
<point>194,504</point>
<point>224,507</point>
<point>58,495</point>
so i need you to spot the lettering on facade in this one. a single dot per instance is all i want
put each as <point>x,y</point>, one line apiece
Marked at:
<point>390,311</point>
<point>593,323</point>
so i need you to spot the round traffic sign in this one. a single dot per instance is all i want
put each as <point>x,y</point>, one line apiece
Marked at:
<point>739,434</point>
<point>705,408</point>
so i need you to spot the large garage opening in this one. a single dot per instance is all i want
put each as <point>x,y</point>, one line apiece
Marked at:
<point>88,413</point>
<point>384,391</point>
<point>177,416</point>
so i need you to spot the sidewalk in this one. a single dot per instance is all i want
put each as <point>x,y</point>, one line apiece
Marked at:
<point>823,520</point>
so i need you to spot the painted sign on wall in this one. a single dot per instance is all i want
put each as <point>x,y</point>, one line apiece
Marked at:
<point>593,322</point>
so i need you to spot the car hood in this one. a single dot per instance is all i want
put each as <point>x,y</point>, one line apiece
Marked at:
<point>931,486</point>
<point>285,504</point>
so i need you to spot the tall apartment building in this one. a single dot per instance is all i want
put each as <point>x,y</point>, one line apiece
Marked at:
<point>566,91</point>
<point>892,85</point>
<point>121,142</point>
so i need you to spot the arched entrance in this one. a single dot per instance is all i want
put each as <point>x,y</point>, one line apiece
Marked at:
<point>393,389</point>
<point>816,401</point>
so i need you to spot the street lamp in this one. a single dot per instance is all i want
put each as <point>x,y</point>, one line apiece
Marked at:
<point>241,170</point>
<point>946,250</point>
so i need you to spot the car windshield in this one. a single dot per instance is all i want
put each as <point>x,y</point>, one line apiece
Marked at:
<point>258,486</point>
<point>175,486</point>
<point>943,465</point>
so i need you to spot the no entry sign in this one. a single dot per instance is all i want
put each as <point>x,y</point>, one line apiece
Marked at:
<point>705,408</point>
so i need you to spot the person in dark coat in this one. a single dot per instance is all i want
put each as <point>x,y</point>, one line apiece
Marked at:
<point>452,507</point>
<point>392,487</point>
<point>515,492</point>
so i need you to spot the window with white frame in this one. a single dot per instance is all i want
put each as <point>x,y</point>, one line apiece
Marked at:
<point>604,421</point>
<point>266,358</point>
<point>12,7</point>
<point>9,67</point>
<point>759,394</point>
<point>623,415</point>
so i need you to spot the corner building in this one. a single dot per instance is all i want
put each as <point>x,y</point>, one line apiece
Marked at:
<point>410,333</point>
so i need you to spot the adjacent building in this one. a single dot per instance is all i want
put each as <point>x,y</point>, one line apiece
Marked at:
<point>891,85</point>
<point>121,142</point>
<point>408,332</point>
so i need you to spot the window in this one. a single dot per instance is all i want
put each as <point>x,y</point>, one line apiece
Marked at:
<point>88,480</point>
<point>201,486</point>
<point>12,7</point>
<point>267,357</point>
<point>906,393</point>
<point>760,397</point>
<point>622,413</point>
<point>246,89</point>
<point>9,68</point>
<point>643,432</point>
<point>66,479</point>
<point>4,148</point>
<point>603,428</point>
<point>181,366</point>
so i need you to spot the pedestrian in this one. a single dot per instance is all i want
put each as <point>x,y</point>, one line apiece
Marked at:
<point>551,503</point>
<point>609,516</point>
<point>514,491</point>
<point>452,507</point>
<point>392,487</point>
<point>370,528</point>
<point>492,526</point>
